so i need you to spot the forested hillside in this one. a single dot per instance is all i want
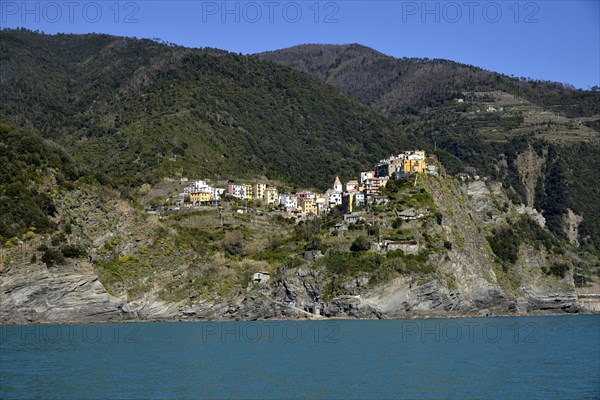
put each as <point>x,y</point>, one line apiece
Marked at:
<point>391,84</point>
<point>137,110</point>
<point>31,169</point>
<point>482,122</point>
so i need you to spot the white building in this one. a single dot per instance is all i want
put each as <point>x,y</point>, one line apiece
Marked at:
<point>261,277</point>
<point>333,197</point>
<point>239,191</point>
<point>352,185</point>
<point>432,170</point>
<point>359,199</point>
<point>217,193</point>
<point>289,201</point>
<point>200,186</point>
<point>364,176</point>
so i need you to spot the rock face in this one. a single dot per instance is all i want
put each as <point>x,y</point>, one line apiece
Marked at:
<point>530,164</point>
<point>54,296</point>
<point>468,280</point>
<point>572,222</point>
<point>40,295</point>
<point>558,301</point>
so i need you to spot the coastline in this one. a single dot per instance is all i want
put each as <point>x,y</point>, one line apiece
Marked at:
<point>409,317</point>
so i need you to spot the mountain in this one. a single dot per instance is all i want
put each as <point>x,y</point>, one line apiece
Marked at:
<point>387,83</point>
<point>540,139</point>
<point>138,111</point>
<point>93,128</point>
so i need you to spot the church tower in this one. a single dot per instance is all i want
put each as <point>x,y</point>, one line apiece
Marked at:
<point>337,185</point>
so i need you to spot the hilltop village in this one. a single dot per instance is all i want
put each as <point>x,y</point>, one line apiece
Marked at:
<point>353,195</point>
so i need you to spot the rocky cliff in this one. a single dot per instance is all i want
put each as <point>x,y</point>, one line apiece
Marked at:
<point>177,280</point>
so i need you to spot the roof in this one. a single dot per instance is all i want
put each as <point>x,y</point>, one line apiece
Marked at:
<point>411,212</point>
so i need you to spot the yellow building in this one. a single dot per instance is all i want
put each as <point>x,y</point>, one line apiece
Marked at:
<point>307,205</point>
<point>258,191</point>
<point>412,166</point>
<point>248,192</point>
<point>199,197</point>
<point>271,196</point>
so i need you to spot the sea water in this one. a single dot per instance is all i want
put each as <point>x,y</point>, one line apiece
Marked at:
<point>554,357</point>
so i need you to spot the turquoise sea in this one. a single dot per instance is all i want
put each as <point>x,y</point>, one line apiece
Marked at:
<point>555,357</point>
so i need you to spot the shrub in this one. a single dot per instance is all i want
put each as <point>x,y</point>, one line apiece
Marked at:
<point>314,243</point>
<point>361,243</point>
<point>58,239</point>
<point>72,251</point>
<point>580,280</point>
<point>52,257</point>
<point>558,270</point>
<point>505,244</point>
<point>233,243</point>
<point>397,223</point>
<point>373,230</point>
<point>395,254</point>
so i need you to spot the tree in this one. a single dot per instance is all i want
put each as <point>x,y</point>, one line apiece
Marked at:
<point>361,243</point>
<point>233,243</point>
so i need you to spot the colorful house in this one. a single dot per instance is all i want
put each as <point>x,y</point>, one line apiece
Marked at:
<point>199,197</point>
<point>307,205</point>
<point>414,166</point>
<point>258,191</point>
<point>271,196</point>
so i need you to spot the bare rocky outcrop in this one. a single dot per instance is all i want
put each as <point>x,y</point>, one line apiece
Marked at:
<point>80,297</point>
<point>33,294</point>
<point>530,164</point>
<point>572,222</point>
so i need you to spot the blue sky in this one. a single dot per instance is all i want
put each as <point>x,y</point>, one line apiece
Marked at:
<point>552,40</point>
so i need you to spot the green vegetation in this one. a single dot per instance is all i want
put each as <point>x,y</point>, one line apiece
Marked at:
<point>138,111</point>
<point>559,270</point>
<point>391,84</point>
<point>345,263</point>
<point>505,241</point>
<point>27,166</point>
<point>361,243</point>
<point>505,244</point>
<point>52,257</point>
<point>72,251</point>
